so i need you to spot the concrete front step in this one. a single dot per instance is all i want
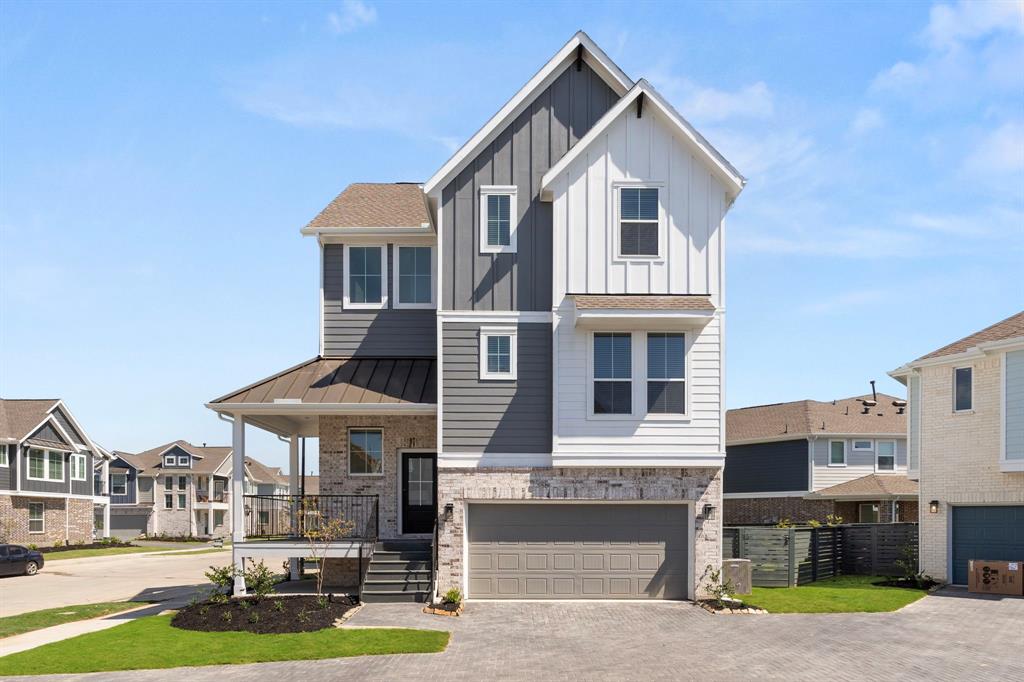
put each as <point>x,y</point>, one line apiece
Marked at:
<point>377,586</point>
<point>392,597</point>
<point>410,555</point>
<point>385,575</point>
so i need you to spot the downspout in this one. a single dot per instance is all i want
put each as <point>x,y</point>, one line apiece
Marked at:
<point>17,469</point>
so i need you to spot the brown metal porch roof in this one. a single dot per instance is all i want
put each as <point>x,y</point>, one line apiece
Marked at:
<point>345,381</point>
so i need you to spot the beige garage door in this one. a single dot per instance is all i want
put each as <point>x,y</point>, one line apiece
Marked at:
<point>578,551</point>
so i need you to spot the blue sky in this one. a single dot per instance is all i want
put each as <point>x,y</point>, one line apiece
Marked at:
<point>157,161</point>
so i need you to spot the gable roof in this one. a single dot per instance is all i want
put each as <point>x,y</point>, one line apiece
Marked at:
<point>803,418</point>
<point>208,458</point>
<point>580,44</point>
<point>872,486</point>
<point>393,205</point>
<point>19,418</point>
<point>720,166</point>
<point>1009,328</point>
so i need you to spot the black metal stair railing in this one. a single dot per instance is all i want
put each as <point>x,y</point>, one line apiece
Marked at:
<point>291,516</point>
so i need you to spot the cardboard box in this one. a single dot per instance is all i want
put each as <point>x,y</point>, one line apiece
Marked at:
<point>995,577</point>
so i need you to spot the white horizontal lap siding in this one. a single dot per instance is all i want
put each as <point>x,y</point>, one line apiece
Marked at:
<point>585,215</point>
<point>699,433</point>
<point>858,463</point>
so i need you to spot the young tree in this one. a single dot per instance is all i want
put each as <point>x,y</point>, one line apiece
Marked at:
<point>321,530</point>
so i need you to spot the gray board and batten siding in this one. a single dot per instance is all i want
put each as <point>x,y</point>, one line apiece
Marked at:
<point>766,467</point>
<point>519,155</point>
<point>497,415</point>
<point>9,474</point>
<point>386,332</point>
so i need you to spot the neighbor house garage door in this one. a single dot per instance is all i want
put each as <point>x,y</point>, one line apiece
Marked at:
<point>577,551</point>
<point>127,526</point>
<point>990,533</point>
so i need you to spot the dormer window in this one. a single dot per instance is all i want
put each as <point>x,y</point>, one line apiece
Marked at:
<point>365,283</point>
<point>498,213</point>
<point>639,223</point>
<point>169,460</point>
<point>183,460</point>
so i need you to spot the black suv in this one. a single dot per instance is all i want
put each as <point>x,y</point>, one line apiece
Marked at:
<point>18,560</point>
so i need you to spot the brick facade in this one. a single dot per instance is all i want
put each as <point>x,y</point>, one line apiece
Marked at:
<point>459,486</point>
<point>960,455</point>
<point>758,511</point>
<point>400,432</point>
<point>64,520</point>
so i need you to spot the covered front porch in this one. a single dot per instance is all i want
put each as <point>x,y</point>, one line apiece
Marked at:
<point>376,424</point>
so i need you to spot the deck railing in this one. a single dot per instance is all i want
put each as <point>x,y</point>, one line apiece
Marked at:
<point>206,496</point>
<point>290,516</point>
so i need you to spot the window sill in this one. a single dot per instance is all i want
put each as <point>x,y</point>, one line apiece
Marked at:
<point>380,475</point>
<point>836,466</point>
<point>962,412</point>
<point>1011,465</point>
<point>415,306</point>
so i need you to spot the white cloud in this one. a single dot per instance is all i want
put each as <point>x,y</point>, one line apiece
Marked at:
<point>950,25</point>
<point>705,104</point>
<point>1000,152</point>
<point>843,301</point>
<point>866,120</point>
<point>353,15</point>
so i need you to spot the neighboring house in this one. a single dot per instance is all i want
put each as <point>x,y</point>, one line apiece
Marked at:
<point>966,404</point>
<point>527,350</point>
<point>47,490</point>
<point>807,459</point>
<point>180,489</point>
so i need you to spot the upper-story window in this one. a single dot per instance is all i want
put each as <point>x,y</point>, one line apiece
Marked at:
<point>78,462</point>
<point>498,213</point>
<point>4,461</point>
<point>168,482</point>
<point>498,353</point>
<point>963,389</point>
<point>118,484</point>
<point>45,465</point>
<point>183,460</point>
<point>837,453</point>
<point>182,482</point>
<point>862,445</point>
<point>613,373</point>
<point>885,458</point>
<point>169,460</point>
<point>666,373</point>
<point>414,277</point>
<point>639,223</point>
<point>365,284</point>
<point>365,452</point>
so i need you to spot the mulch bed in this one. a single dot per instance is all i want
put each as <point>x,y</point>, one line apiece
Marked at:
<point>728,607</point>
<point>91,545</point>
<point>269,615</point>
<point>911,584</point>
<point>444,609</point>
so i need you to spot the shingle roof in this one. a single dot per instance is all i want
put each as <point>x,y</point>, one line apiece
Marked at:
<point>150,462</point>
<point>261,473</point>
<point>642,302</point>
<point>19,417</point>
<point>371,204</point>
<point>346,380</point>
<point>876,486</point>
<point>1009,328</point>
<point>811,417</point>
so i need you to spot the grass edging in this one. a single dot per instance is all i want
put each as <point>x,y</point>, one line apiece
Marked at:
<point>842,594</point>
<point>155,644</point>
<point>45,618</point>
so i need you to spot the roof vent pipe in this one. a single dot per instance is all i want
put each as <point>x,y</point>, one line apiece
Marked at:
<point>874,394</point>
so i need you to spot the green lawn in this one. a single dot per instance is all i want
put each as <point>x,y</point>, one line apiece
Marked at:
<point>153,643</point>
<point>845,594</point>
<point>35,620</point>
<point>192,551</point>
<point>102,551</point>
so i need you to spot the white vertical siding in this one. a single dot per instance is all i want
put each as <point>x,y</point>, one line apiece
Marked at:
<point>914,426</point>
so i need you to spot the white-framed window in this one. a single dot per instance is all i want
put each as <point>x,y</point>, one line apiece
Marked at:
<point>885,457</point>
<point>963,389</point>
<point>498,353</point>
<point>181,482</point>
<point>666,373</point>
<point>612,373</point>
<point>45,465</point>
<point>4,456</point>
<point>218,518</point>
<point>414,276</point>
<point>837,453</point>
<point>366,284</point>
<point>118,484</point>
<point>168,500</point>
<point>365,452</point>
<point>182,500</point>
<point>498,218</point>
<point>183,460</point>
<point>78,462</point>
<point>867,512</point>
<point>639,221</point>
<point>168,482</point>
<point>863,446</point>
<point>36,516</point>
<point>169,460</point>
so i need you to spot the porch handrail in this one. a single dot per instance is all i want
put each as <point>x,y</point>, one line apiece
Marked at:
<point>287,516</point>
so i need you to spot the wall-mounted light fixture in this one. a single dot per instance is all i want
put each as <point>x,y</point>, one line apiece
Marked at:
<point>709,511</point>
<point>933,506</point>
<point>449,510</point>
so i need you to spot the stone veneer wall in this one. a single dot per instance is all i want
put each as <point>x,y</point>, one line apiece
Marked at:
<point>59,526</point>
<point>702,486</point>
<point>417,432</point>
<point>758,511</point>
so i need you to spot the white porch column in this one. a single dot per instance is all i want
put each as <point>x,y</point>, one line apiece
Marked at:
<point>105,469</point>
<point>294,566</point>
<point>237,497</point>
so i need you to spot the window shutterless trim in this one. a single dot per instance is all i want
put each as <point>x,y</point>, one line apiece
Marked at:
<point>396,275</point>
<point>183,460</point>
<point>869,448</point>
<point>617,188</point>
<point>684,380</point>
<point>513,362</point>
<point>513,219</point>
<point>348,434</point>
<point>632,380</point>
<point>347,275</point>
<point>829,454</point>
<point>113,477</point>
<point>78,457</point>
<point>5,455</point>
<point>41,519</point>
<point>878,454</point>
<point>969,408</point>
<point>47,454</point>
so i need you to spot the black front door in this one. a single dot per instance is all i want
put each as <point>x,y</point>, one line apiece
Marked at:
<point>419,492</point>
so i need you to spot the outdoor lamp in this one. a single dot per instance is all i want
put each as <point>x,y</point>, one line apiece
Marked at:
<point>709,511</point>
<point>933,506</point>
<point>449,509</point>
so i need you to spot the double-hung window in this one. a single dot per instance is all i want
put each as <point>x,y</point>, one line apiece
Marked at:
<point>837,453</point>
<point>666,373</point>
<point>169,501</point>
<point>168,482</point>
<point>414,277</point>
<point>35,517</point>
<point>963,389</point>
<point>45,465</point>
<point>182,500</point>
<point>885,457</point>
<point>498,219</point>
<point>613,373</point>
<point>639,223</point>
<point>498,353</point>
<point>4,461</point>
<point>181,482</point>
<point>365,283</point>
<point>365,452</point>
<point>183,460</point>
<point>78,467</point>
<point>55,466</point>
<point>169,461</point>
<point>118,484</point>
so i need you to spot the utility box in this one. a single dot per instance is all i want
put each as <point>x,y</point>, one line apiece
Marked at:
<point>739,572</point>
<point>995,577</point>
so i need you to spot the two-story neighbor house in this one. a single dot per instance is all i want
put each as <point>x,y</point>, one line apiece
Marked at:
<point>524,354</point>
<point>966,436</point>
<point>808,459</point>
<point>47,490</point>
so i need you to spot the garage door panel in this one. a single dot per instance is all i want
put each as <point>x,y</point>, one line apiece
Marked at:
<point>578,551</point>
<point>989,533</point>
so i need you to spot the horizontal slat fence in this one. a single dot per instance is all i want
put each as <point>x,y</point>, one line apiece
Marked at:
<point>783,557</point>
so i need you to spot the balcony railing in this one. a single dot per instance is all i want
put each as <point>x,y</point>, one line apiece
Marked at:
<point>291,516</point>
<point>217,496</point>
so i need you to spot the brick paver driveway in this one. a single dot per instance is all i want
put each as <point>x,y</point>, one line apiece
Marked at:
<point>947,636</point>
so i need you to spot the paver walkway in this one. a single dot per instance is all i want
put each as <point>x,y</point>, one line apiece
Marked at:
<point>947,636</point>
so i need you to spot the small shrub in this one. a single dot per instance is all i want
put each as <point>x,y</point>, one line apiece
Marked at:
<point>813,523</point>
<point>833,520</point>
<point>223,578</point>
<point>227,616</point>
<point>278,605</point>
<point>218,597</point>
<point>203,610</point>
<point>33,546</point>
<point>784,523</point>
<point>453,596</point>
<point>323,601</point>
<point>244,605</point>
<point>254,617</point>
<point>259,581</point>
<point>717,588</point>
<point>302,616</point>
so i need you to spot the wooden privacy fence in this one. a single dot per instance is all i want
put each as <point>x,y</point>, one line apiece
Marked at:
<point>783,557</point>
